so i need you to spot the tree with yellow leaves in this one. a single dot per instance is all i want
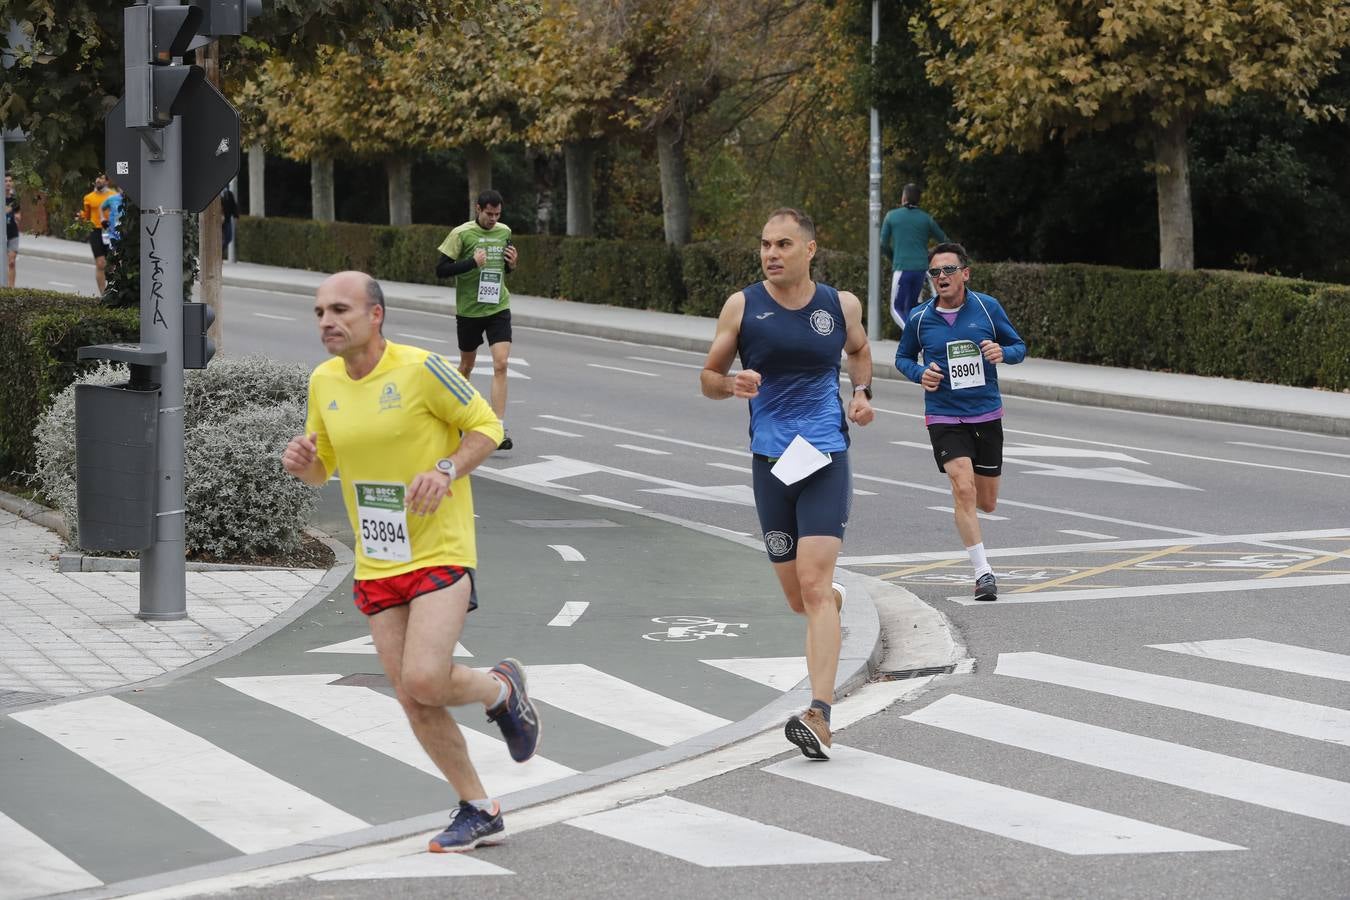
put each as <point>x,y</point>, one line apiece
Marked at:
<point>1023,71</point>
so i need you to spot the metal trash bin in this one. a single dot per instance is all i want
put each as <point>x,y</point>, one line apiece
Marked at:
<point>115,430</point>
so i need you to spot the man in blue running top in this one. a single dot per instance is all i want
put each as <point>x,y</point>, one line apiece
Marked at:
<point>963,336</point>
<point>789,333</point>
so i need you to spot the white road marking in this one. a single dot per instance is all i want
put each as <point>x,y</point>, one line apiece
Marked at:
<point>859,492</point>
<point>418,865</point>
<point>239,803</point>
<point>1231,462</point>
<point>557,467</point>
<point>30,867</point>
<point>421,337</point>
<point>571,434</point>
<point>643,434</point>
<point>1032,454</point>
<point>665,362</point>
<point>746,470</point>
<point>569,554</point>
<point>622,705</point>
<point>782,673</point>
<point>1289,449</point>
<point>1162,590</point>
<point>637,449</point>
<point>1043,451</point>
<point>1268,655</point>
<point>61,284</point>
<point>1309,720</point>
<point>277,318</point>
<point>485,370</point>
<point>570,612</point>
<point>1088,534</point>
<point>739,494</point>
<point>366,646</point>
<point>711,838</point>
<point>625,371</point>
<point>991,808</point>
<point>609,501</point>
<point>376,720</point>
<point>867,701</point>
<point>1144,543</point>
<point>989,517</point>
<point>1143,757</point>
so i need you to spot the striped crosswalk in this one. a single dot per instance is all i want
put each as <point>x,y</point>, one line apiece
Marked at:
<point>234,799</point>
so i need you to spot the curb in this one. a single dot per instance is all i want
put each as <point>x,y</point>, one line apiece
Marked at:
<point>36,513</point>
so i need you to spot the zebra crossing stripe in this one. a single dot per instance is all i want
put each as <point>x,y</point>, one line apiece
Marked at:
<point>377,721</point>
<point>992,808</point>
<point>782,673</point>
<point>1268,655</point>
<point>30,867</point>
<point>1186,767</point>
<point>713,839</point>
<point>622,705</point>
<point>239,803</point>
<point>1309,720</point>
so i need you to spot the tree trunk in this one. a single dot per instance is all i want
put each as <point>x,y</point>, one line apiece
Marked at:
<point>544,166</point>
<point>210,246</point>
<point>478,163</point>
<point>674,184</point>
<point>580,162</point>
<point>1176,230</point>
<point>257,168</point>
<point>398,172</point>
<point>321,191</point>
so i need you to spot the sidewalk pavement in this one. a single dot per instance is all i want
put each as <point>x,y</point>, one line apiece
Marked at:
<point>1193,396</point>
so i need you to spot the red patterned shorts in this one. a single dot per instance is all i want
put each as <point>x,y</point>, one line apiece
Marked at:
<point>375,595</point>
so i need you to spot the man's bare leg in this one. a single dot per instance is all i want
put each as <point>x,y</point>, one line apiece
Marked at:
<point>806,586</point>
<point>501,355</point>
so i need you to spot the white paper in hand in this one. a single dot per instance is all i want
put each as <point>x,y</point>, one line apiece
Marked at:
<point>799,460</point>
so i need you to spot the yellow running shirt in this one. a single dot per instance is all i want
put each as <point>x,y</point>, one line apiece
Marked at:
<point>381,431</point>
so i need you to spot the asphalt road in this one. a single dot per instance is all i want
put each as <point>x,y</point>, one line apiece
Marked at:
<point>1157,705</point>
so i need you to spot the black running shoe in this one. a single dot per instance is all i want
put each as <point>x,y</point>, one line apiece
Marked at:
<point>986,588</point>
<point>507,443</point>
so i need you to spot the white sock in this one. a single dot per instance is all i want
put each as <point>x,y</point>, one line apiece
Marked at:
<point>486,805</point>
<point>502,690</point>
<point>977,560</point>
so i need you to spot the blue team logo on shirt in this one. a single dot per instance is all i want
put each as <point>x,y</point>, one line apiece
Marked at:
<point>390,398</point>
<point>822,322</point>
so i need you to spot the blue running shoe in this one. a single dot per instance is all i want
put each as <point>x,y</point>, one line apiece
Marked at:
<point>516,716</point>
<point>469,827</point>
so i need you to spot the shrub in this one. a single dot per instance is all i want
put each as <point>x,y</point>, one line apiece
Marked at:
<point>635,274</point>
<point>239,414</point>
<point>40,332</point>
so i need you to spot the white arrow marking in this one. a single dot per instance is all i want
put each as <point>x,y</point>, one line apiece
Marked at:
<point>1104,473</point>
<point>569,554</point>
<point>377,721</point>
<point>366,646</point>
<point>570,612</point>
<point>782,673</point>
<point>1044,451</point>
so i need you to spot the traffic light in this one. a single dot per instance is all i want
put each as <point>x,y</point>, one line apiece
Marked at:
<point>157,86</point>
<point>197,347</point>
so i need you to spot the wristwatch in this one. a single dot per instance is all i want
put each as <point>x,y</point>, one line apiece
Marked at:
<point>446,467</point>
<point>865,388</point>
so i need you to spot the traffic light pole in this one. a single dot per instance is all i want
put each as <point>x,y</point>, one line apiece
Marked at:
<point>163,563</point>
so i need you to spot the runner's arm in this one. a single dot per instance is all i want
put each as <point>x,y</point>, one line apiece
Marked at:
<point>907,353</point>
<point>448,268</point>
<point>858,352</point>
<point>1014,348</point>
<point>714,380</point>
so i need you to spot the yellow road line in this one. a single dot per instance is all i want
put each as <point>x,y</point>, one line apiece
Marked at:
<point>1306,564</point>
<point>914,570</point>
<point>1088,573</point>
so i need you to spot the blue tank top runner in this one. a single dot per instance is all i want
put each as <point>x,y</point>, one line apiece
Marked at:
<point>796,352</point>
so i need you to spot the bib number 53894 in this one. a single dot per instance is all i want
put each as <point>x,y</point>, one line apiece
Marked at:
<point>382,521</point>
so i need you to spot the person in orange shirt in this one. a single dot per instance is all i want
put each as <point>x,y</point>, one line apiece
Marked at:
<point>93,214</point>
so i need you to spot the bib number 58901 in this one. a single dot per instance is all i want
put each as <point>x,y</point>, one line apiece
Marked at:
<point>965,365</point>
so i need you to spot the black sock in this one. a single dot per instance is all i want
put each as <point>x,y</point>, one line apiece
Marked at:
<point>823,707</point>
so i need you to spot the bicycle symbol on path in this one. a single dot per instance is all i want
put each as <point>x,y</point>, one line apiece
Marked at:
<point>692,628</point>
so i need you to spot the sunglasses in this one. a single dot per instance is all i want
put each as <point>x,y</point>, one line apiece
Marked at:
<point>944,270</point>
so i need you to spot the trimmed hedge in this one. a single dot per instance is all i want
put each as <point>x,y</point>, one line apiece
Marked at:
<point>40,332</point>
<point>1230,324</point>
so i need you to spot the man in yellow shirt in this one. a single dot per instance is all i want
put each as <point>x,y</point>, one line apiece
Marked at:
<point>404,427</point>
<point>92,212</point>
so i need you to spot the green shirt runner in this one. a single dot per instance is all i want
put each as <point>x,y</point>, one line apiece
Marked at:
<point>481,291</point>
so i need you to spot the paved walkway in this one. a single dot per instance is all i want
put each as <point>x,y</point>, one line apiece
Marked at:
<point>67,633</point>
<point>1221,399</point>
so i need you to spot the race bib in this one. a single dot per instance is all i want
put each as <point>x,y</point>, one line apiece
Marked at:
<point>965,365</point>
<point>489,287</point>
<point>382,521</point>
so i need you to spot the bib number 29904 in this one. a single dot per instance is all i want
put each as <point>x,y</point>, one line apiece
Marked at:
<point>383,521</point>
<point>489,287</point>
